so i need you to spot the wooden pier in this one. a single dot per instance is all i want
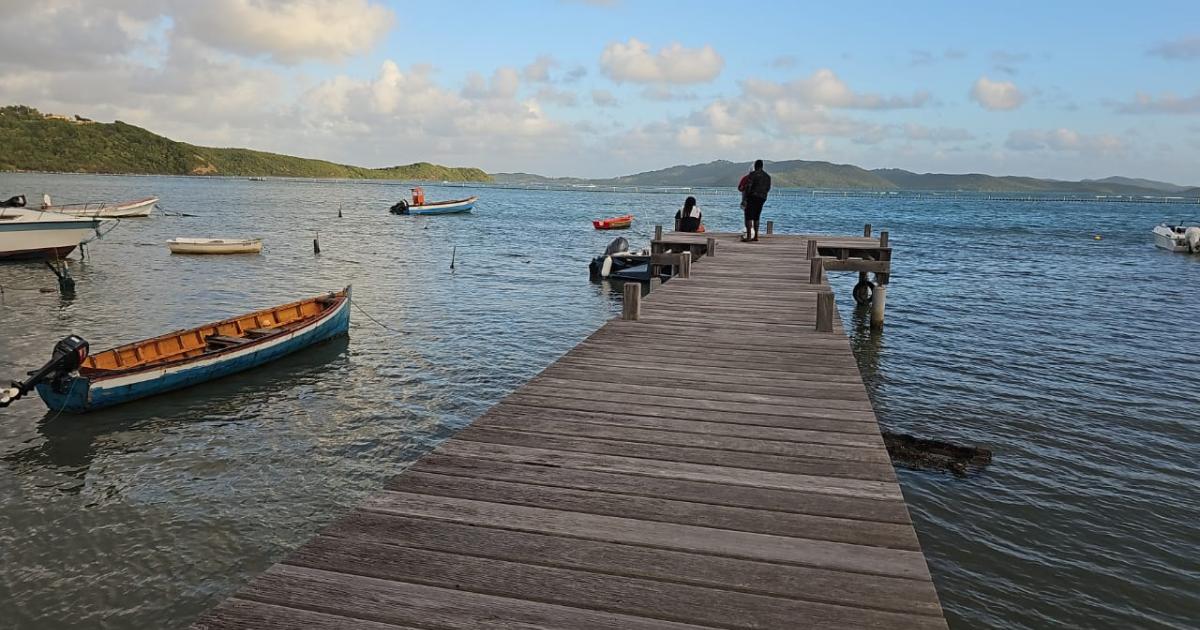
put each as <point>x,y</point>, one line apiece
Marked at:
<point>713,463</point>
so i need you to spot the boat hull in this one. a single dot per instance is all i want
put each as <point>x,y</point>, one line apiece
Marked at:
<point>129,209</point>
<point>43,239</point>
<point>1169,243</point>
<point>446,207</point>
<point>81,394</point>
<point>216,247</point>
<point>617,223</point>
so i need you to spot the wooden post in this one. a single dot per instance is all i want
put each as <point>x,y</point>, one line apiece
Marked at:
<point>825,311</point>
<point>770,227</point>
<point>867,230</point>
<point>878,301</point>
<point>812,248</point>
<point>632,308</point>
<point>883,238</point>
<point>685,265</point>
<point>317,244</point>
<point>816,273</point>
<point>655,283</point>
<point>711,247</point>
<point>658,232</point>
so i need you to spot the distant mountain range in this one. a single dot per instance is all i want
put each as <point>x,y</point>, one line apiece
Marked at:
<point>809,174</point>
<point>33,141</point>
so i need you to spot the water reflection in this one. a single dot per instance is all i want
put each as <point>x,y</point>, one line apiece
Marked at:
<point>69,442</point>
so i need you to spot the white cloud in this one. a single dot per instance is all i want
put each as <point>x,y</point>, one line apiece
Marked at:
<point>1166,104</point>
<point>916,131</point>
<point>504,85</point>
<point>664,94</point>
<point>603,98</point>
<point>633,62</point>
<point>996,95</point>
<point>539,70</point>
<point>825,89</point>
<point>285,31</point>
<point>1063,140</point>
<point>558,97</point>
<point>1186,48</point>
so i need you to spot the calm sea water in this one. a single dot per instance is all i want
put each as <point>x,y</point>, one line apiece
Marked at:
<point>1009,325</point>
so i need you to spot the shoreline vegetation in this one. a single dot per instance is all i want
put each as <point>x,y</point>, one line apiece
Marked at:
<point>51,143</point>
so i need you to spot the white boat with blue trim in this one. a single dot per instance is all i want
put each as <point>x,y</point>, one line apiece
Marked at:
<point>104,209</point>
<point>418,205</point>
<point>75,382</point>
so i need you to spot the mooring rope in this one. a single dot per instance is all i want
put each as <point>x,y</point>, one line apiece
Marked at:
<point>354,303</point>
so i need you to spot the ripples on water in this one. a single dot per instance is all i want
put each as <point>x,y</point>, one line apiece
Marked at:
<point>1008,326</point>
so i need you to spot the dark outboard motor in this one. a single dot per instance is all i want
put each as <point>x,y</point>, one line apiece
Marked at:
<point>618,245</point>
<point>68,355</point>
<point>596,267</point>
<point>13,202</point>
<point>401,207</point>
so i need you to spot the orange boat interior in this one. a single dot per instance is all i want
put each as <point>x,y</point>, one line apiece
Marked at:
<point>209,338</point>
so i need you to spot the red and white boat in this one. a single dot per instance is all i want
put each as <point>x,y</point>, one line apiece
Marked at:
<point>33,234</point>
<point>106,210</point>
<point>614,223</point>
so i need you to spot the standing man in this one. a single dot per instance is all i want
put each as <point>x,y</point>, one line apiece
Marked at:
<point>754,187</point>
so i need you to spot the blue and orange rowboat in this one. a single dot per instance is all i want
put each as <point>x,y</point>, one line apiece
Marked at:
<point>192,356</point>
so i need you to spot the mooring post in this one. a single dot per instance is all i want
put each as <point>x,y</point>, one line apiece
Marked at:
<point>812,248</point>
<point>867,230</point>
<point>825,311</point>
<point>770,227</point>
<point>685,265</point>
<point>883,238</point>
<point>710,248</point>
<point>317,243</point>
<point>658,232</point>
<point>655,283</point>
<point>816,273</point>
<point>878,302</point>
<point>632,308</point>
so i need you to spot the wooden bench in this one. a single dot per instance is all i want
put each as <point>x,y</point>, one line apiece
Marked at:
<point>224,341</point>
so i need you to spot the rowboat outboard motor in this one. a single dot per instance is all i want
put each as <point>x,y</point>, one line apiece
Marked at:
<point>401,207</point>
<point>13,202</point>
<point>68,355</point>
<point>601,265</point>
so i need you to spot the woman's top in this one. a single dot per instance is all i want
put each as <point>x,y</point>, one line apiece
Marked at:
<point>689,220</point>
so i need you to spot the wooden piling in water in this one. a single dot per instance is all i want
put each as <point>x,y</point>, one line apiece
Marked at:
<point>658,232</point>
<point>685,265</point>
<point>812,249</point>
<point>710,247</point>
<point>770,227</point>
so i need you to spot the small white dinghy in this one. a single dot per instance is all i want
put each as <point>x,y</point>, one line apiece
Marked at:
<point>1177,238</point>
<point>215,245</point>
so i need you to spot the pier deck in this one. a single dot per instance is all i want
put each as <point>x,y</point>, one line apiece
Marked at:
<point>715,464</point>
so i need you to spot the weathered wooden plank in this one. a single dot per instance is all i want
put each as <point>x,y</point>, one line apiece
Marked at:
<point>792,524</point>
<point>615,594</point>
<point>886,511</point>
<point>831,407</point>
<point>678,432</point>
<point>706,540</point>
<point>687,381</point>
<point>389,601</point>
<point>756,478</point>
<point>673,390</point>
<point>241,614</point>
<point>850,420</point>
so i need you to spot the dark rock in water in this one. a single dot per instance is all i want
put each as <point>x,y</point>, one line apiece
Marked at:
<point>923,454</point>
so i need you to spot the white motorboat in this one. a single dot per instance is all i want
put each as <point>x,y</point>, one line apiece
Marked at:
<point>215,245</point>
<point>28,234</point>
<point>105,210</point>
<point>1177,238</point>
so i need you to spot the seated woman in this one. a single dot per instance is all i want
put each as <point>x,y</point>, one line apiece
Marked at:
<point>688,219</point>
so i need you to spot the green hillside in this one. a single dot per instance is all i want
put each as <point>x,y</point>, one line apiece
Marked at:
<point>35,142</point>
<point>791,173</point>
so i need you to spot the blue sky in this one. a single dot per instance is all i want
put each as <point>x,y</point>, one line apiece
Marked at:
<point>1058,89</point>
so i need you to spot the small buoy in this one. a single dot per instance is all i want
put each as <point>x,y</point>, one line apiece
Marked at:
<point>1097,237</point>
